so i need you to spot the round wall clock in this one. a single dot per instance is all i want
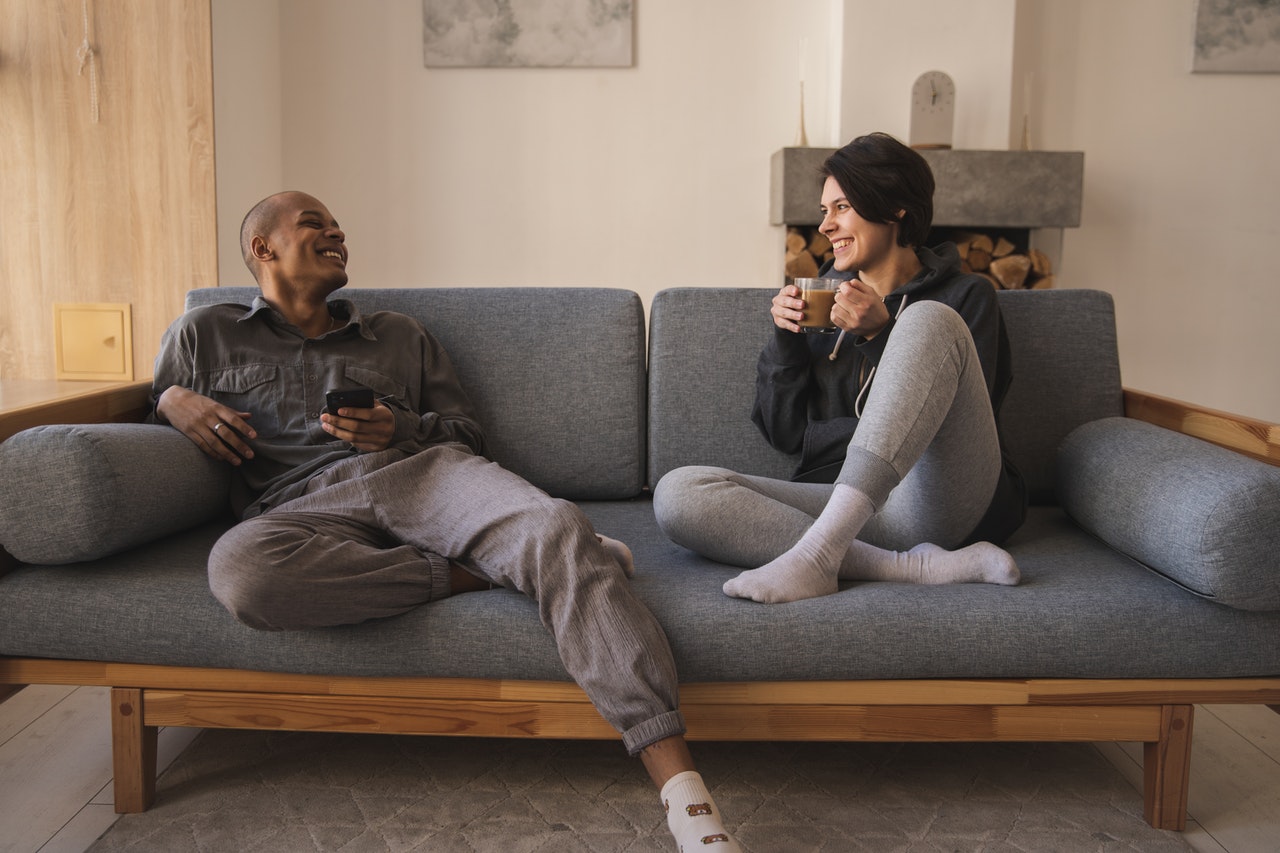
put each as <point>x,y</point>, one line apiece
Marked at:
<point>933,110</point>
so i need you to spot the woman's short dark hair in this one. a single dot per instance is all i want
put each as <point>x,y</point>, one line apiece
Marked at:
<point>880,176</point>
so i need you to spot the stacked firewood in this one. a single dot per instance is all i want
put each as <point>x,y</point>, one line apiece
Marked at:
<point>996,259</point>
<point>807,250</point>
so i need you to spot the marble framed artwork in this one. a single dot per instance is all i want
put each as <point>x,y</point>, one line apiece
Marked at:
<point>1237,36</point>
<point>527,33</point>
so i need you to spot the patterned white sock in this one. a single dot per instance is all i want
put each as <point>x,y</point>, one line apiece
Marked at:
<point>693,817</point>
<point>926,563</point>
<point>811,567</point>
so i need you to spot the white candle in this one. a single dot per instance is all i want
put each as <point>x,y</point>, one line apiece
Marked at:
<point>804,49</point>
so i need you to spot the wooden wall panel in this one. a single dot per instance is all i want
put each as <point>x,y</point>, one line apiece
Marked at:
<point>121,210</point>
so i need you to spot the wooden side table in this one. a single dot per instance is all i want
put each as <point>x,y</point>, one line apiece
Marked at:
<point>26,403</point>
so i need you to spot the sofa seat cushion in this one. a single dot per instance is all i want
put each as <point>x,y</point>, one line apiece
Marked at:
<point>1083,611</point>
<point>1204,517</point>
<point>83,491</point>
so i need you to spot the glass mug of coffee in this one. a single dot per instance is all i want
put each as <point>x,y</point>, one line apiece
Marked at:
<point>819,295</point>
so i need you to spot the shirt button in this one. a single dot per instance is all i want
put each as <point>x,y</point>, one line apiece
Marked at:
<point>311,378</point>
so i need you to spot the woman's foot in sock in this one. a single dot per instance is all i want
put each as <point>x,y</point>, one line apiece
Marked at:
<point>980,562</point>
<point>796,575</point>
<point>811,568</point>
<point>927,563</point>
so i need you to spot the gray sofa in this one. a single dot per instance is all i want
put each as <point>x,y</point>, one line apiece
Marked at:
<point>1151,580</point>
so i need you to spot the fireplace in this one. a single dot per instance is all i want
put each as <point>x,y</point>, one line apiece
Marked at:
<point>1005,210</point>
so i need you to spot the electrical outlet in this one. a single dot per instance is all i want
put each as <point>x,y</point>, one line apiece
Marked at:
<point>93,340</point>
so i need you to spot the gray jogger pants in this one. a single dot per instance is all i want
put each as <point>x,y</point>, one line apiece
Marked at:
<point>373,537</point>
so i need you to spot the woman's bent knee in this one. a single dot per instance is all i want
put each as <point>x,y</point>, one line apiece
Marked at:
<point>680,499</point>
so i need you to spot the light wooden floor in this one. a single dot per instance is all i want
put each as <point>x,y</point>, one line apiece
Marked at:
<point>55,773</point>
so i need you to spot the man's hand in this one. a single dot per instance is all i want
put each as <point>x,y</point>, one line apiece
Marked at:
<point>216,429</point>
<point>367,430</point>
<point>859,309</point>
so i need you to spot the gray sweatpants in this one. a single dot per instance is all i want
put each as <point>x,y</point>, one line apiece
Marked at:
<point>373,535</point>
<point>925,451</point>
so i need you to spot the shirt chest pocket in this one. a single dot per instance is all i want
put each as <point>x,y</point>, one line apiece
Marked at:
<point>382,384</point>
<point>256,389</point>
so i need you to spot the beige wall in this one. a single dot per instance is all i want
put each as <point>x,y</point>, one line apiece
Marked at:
<point>118,211</point>
<point>483,176</point>
<point>1181,199</point>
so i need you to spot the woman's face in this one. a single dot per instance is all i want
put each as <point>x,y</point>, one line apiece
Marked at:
<point>858,244</point>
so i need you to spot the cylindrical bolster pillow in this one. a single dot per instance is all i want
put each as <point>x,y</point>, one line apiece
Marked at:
<point>81,491</point>
<point>1203,516</point>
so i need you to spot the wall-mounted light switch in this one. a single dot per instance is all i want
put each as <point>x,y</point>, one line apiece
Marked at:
<point>93,340</point>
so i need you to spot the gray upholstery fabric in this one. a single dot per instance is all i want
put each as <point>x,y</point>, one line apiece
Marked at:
<point>556,375</point>
<point>1083,610</point>
<point>1066,372</point>
<point>703,345</point>
<point>1205,517</point>
<point>79,492</point>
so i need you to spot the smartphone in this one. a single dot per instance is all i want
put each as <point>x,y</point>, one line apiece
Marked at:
<point>348,398</point>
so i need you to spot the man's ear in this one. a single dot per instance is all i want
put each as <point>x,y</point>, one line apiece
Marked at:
<point>261,251</point>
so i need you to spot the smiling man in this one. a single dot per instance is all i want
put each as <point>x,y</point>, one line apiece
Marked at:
<point>369,512</point>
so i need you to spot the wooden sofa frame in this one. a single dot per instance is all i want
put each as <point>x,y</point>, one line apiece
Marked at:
<point>1158,713</point>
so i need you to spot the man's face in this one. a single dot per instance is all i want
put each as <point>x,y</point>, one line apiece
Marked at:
<point>305,247</point>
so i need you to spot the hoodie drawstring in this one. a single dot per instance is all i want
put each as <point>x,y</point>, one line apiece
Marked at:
<point>866,385</point>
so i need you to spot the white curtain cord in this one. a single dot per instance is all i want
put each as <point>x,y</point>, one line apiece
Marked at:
<point>88,57</point>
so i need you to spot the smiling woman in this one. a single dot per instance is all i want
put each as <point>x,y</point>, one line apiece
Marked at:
<point>886,480</point>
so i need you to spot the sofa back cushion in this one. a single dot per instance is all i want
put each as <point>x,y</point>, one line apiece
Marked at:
<point>1066,372</point>
<point>703,346</point>
<point>557,375</point>
<point>704,343</point>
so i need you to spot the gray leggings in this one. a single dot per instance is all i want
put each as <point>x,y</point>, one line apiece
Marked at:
<point>925,451</point>
<point>363,543</point>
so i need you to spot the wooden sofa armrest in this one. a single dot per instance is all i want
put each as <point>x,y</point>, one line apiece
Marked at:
<point>123,403</point>
<point>1252,437</point>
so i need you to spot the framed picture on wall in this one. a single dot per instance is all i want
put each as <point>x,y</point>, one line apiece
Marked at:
<point>1237,36</point>
<point>527,33</point>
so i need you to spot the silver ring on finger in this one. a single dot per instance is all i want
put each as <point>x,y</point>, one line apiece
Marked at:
<point>217,427</point>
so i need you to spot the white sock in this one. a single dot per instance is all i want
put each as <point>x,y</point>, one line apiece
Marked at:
<point>619,552</point>
<point>811,567</point>
<point>693,817</point>
<point>926,563</point>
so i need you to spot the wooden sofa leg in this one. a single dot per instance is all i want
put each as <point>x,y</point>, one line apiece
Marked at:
<point>1167,770</point>
<point>133,752</point>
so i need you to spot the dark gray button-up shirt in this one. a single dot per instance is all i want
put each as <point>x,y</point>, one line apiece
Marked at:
<point>254,360</point>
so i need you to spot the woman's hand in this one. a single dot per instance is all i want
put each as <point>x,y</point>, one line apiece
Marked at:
<point>218,430</point>
<point>788,308</point>
<point>367,430</point>
<point>859,309</point>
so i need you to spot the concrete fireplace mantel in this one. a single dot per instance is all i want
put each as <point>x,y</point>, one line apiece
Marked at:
<point>999,189</point>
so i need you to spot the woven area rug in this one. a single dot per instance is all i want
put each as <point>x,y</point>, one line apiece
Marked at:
<point>283,792</point>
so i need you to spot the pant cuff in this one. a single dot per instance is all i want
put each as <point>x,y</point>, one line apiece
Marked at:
<point>653,730</point>
<point>441,587</point>
<point>869,474</point>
